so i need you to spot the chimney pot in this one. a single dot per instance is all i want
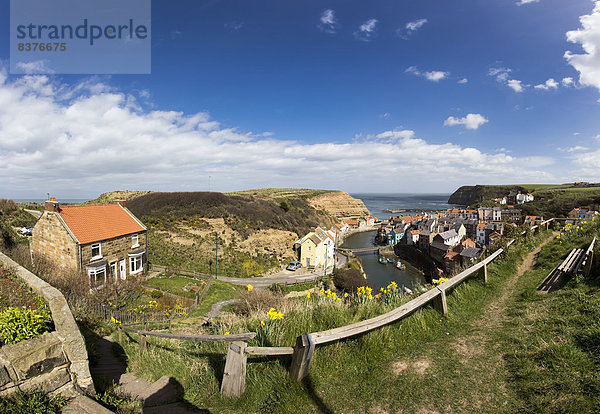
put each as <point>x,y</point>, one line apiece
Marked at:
<point>119,201</point>
<point>52,205</point>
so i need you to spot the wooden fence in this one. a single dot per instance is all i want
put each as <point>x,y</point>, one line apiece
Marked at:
<point>234,380</point>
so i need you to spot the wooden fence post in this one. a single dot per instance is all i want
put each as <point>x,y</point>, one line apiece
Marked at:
<point>170,323</point>
<point>302,357</point>
<point>120,332</point>
<point>146,325</point>
<point>485,273</point>
<point>142,342</point>
<point>234,375</point>
<point>439,303</point>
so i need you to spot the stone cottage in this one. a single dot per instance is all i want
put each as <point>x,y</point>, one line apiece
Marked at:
<point>104,242</point>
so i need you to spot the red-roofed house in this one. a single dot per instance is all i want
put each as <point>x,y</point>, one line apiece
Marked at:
<point>104,242</point>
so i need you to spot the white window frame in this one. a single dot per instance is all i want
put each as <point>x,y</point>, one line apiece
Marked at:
<point>99,255</point>
<point>133,260</point>
<point>114,271</point>
<point>95,272</point>
<point>135,241</point>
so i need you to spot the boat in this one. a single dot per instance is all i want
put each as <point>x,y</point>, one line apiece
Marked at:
<point>390,261</point>
<point>382,260</point>
<point>400,265</point>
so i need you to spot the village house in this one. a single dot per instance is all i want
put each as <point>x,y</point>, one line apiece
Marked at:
<point>316,249</point>
<point>412,237</point>
<point>104,242</point>
<point>524,198</point>
<point>449,238</point>
<point>425,240</point>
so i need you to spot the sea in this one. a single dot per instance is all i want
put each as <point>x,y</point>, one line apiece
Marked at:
<point>380,275</point>
<point>378,203</point>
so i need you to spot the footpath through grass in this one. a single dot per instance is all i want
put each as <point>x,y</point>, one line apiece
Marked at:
<point>502,348</point>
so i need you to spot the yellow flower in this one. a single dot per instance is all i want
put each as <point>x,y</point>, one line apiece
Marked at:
<point>250,287</point>
<point>338,299</point>
<point>226,333</point>
<point>261,324</point>
<point>308,295</point>
<point>346,294</point>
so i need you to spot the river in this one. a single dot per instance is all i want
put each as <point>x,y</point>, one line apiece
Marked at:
<point>380,275</point>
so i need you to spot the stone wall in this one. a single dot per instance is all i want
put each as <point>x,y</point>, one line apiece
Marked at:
<point>114,250</point>
<point>53,362</point>
<point>52,241</point>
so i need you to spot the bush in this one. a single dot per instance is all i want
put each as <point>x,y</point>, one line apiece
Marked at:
<point>18,324</point>
<point>258,301</point>
<point>156,294</point>
<point>32,402</point>
<point>349,280</point>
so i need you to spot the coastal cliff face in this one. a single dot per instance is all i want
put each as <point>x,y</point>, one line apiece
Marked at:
<point>467,195</point>
<point>471,194</point>
<point>340,205</point>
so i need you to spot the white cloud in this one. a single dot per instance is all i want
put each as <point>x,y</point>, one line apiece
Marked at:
<point>385,115</point>
<point>471,121</point>
<point>549,84</point>
<point>434,76</point>
<point>522,2</point>
<point>588,36</point>
<point>515,85</point>
<point>501,74</point>
<point>35,67</point>
<point>597,137</point>
<point>415,25</point>
<point>98,140</point>
<point>366,31</point>
<point>577,148</point>
<point>463,81</point>
<point>234,25</point>
<point>328,22</point>
<point>567,82</point>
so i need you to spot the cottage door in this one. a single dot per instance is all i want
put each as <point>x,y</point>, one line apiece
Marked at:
<point>123,269</point>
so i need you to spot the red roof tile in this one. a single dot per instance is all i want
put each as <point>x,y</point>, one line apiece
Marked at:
<point>90,223</point>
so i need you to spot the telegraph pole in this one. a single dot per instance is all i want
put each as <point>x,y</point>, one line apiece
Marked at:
<point>216,255</point>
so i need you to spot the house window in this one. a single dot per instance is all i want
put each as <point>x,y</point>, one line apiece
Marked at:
<point>97,276</point>
<point>113,270</point>
<point>96,251</point>
<point>135,241</point>
<point>135,263</point>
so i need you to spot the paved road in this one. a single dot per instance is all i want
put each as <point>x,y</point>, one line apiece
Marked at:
<point>285,276</point>
<point>35,213</point>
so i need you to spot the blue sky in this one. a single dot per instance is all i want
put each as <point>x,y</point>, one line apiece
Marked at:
<point>403,96</point>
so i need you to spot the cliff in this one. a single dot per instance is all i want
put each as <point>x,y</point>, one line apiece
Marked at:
<point>340,205</point>
<point>471,194</point>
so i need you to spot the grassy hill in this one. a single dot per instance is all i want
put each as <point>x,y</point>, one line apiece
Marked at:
<point>550,199</point>
<point>256,229</point>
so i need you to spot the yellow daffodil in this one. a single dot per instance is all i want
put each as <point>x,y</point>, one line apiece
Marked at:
<point>308,295</point>
<point>250,288</point>
<point>226,333</point>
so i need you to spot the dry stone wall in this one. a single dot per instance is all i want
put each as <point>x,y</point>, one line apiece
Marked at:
<point>52,362</point>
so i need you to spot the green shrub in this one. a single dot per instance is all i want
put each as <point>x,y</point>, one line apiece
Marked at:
<point>156,294</point>
<point>18,324</point>
<point>32,402</point>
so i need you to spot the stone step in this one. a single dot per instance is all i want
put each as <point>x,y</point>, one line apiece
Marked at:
<point>84,405</point>
<point>161,391</point>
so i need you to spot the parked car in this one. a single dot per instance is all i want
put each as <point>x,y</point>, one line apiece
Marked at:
<point>294,266</point>
<point>27,231</point>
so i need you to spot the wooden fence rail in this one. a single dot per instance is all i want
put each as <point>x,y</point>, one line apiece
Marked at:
<point>84,306</point>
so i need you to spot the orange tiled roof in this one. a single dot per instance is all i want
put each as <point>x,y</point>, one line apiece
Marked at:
<point>90,223</point>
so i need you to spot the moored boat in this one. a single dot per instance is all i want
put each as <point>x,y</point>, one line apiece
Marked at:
<point>400,265</point>
<point>382,260</point>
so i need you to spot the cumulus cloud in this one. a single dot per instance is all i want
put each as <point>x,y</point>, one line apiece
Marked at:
<point>415,25</point>
<point>99,140</point>
<point>328,22</point>
<point>463,81</point>
<point>567,82</point>
<point>588,36</point>
<point>515,85</point>
<point>577,148</point>
<point>549,84</point>
<point>366,31</point>
<point>471,121</point>
<point>434,76</point>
